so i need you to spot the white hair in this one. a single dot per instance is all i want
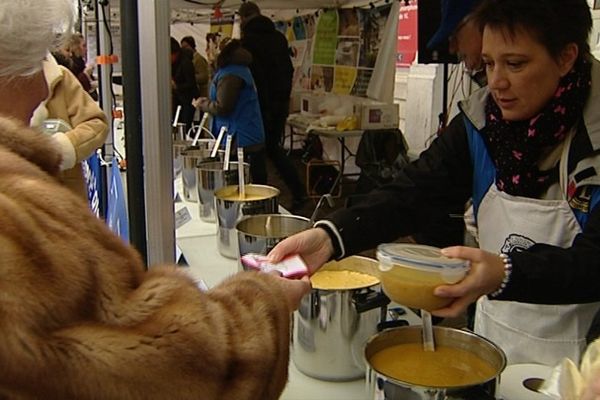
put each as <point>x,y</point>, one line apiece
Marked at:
<point>28,30</point>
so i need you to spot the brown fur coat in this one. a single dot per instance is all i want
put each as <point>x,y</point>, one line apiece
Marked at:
<point>80,319</point>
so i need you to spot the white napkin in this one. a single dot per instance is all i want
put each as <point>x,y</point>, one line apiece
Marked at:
<point>569,383</point>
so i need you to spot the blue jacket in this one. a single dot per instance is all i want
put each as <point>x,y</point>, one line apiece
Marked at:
<point>245,122</point>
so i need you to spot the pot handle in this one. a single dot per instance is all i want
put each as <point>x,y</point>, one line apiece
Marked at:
<point>369,300</point>
<point>391,324</point>
<point>476,392</point>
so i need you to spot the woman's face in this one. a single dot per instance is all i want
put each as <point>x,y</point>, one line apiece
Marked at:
<point>522,75</point>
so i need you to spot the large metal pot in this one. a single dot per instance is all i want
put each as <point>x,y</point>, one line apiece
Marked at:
<point>191,156</point>
<point>260,233</point>
<point>259,199</point>
<point>382,387</point>
<point>211,177</point>
<point>331,327</point>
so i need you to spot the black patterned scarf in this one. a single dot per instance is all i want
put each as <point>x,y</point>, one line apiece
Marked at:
<point>516,146</point>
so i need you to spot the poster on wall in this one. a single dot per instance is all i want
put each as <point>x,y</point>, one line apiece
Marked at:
<point>301,49</point>
<point>408,43</point>
<point>336,51</point>
<point>344,49</point>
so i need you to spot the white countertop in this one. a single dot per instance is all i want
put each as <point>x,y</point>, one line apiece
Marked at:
<point>197,240</point>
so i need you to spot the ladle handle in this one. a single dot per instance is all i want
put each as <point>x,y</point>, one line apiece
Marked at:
<point>428,343</point>
<point>215,149</point>
<point>227,152</point>
<point>176,119</point>
<point>241,177</point>
<point>199,132</point>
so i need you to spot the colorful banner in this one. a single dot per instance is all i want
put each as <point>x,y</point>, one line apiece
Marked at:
<point>116,215</point>
<point>223,25</point>
<point>326,38</point>
<point>336,51</point>
<point>93,182</point>
<point>344,80</point>
<point>407,35</point>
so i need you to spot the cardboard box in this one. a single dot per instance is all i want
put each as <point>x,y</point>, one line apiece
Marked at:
<point>376,115</point>
<point>310,102</point>
<point>296,100</point>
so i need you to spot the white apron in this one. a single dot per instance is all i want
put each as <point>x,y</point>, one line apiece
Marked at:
<point>531,333</point>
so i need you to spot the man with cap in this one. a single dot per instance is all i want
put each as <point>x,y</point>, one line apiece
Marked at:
<point>462,34</point>
<point>272,71</point>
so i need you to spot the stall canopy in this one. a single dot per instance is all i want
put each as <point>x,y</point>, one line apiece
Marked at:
<point>201,10</point>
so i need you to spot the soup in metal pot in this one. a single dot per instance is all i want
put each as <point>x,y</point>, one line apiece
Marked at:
<point>247,197</point>
<point>341,280</point>
<point>445,367</point>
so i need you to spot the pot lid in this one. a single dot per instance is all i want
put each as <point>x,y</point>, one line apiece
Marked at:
<point>418,256</point>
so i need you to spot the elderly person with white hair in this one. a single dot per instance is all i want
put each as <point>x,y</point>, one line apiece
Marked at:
<point>34,88</point>
<point>80,317</point>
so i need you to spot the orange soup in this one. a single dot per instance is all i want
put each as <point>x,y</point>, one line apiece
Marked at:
<point>445,367</point>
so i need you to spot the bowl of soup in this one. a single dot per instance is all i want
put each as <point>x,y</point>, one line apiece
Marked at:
<point>410,272</point>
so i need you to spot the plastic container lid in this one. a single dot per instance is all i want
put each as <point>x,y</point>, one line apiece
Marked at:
<point>420,257</point>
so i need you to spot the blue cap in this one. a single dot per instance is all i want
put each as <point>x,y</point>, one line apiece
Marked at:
<point>453,12</point>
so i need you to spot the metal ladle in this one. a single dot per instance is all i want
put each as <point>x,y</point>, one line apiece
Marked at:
<point>326,197</point>
<point>428,342</point>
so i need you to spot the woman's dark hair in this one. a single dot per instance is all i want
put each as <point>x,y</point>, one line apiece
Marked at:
<point>226,54</point>
<point>554,23</point>
<point>189,40</point>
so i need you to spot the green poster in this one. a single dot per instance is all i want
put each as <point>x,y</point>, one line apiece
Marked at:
<point>326,38</point>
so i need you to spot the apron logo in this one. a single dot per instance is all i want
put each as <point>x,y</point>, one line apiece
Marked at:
<point>516,242</point>
<point>580,200</point>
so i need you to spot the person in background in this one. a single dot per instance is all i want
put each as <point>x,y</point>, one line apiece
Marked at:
<point>200,65</point>
<point>85,128</point>
<point>183,83</point>
<point>525,148</point>
<point>212,50</point>
<point>272,71</point>
<point>81,317</point>
<point>33,89</point>
<point>234,104</point>
<point>77,48</point>
<point>460,32</point>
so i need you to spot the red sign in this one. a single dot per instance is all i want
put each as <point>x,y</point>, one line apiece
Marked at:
<point>407,34</point>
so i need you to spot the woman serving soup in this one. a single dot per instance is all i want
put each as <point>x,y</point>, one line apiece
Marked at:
<point>525,149</point>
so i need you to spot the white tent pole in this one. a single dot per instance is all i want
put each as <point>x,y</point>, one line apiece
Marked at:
<point>155,77</point>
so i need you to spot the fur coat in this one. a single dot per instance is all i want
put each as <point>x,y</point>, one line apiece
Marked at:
<point>81,319</point>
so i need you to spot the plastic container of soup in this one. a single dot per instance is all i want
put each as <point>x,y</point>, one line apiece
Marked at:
<point>410,272</point>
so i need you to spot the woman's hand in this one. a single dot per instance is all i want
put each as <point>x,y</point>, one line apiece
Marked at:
<point>201,103</point>
<point>313,245</point>
<point>485,276</point>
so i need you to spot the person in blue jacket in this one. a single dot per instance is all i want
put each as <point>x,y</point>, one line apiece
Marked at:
<point>233,102</point>
<point>526,149</point>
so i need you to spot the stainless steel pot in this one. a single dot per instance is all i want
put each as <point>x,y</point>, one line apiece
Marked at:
<point>210,176</point>
<point>260,233</point>
<point>260,199</point>
<point>191,157</point>
<point>331,327</point>
<point>382,387</point>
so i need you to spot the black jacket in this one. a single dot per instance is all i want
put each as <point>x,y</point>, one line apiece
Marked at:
<point>442,176</point>
<point>183,74</point>
<point>271,65</point>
